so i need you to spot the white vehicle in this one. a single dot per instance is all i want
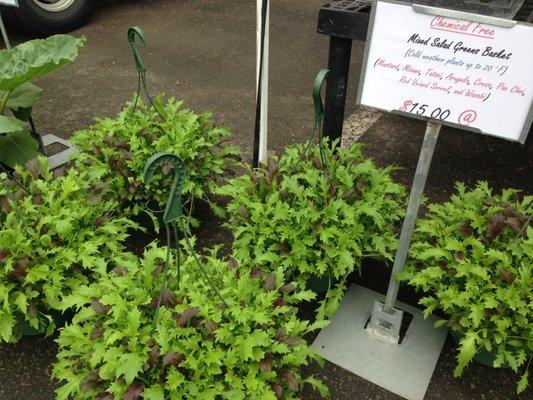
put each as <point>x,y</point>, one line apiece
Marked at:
<point>50,16</point>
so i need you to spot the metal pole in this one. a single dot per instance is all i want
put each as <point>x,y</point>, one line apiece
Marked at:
<point>415,199</point>
<point>4,33</point>
<point>263,143</point>
<point>339,65</point>
<point>261,118</point>
<point>386,321</point>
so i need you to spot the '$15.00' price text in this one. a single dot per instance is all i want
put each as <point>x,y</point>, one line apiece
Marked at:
<point>425,110</point>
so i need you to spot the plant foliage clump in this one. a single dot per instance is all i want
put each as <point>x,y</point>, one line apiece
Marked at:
<point>314,219</point>
<point>193,347</point>
<point>473,255</point>
<point>115,151</point>
<point>55,234</point>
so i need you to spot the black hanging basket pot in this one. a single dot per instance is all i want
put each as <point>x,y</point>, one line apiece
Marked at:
<point>483,356</point>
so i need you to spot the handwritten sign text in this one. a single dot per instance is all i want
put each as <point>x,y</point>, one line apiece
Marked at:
<point>458,72</point>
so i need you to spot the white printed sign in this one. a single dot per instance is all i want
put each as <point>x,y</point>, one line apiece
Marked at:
<point>9,2</point>
<point>459,72</point>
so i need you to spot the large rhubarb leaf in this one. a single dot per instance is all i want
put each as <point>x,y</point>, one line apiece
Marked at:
<point>25,96</point>
<point>36,58</point>
<point>10,124</point>
<point>22,99</point>
<point>17,148</point>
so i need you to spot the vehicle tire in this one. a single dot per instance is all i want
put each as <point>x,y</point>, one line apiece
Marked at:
<point>51,16</point>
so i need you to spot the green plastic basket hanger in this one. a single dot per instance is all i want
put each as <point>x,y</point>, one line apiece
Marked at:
<point>133,33</point>
<point>320,80</point>
<point>173,218</point>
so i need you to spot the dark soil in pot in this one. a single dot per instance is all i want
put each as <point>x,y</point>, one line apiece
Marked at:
<point>320,284</point>
<point>60,320</point>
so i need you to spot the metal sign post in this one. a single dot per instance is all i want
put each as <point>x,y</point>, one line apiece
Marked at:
<point>386,321</point>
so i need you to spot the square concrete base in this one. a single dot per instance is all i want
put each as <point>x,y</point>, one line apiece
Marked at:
<point>403,369</point>
<point>62,157</point>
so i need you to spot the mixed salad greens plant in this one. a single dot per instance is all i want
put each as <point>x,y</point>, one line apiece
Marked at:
<point>193,346</point>
<point>116,149</point>
<point>472,256</point>
<point>57,237</point>
<point>316,213</point>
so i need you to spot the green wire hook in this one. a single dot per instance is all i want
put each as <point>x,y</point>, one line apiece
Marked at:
<point>173,209</point>
<point>132,33</point>
<point>173,213</point>
<point>317,97</point>
<point>319,117</point>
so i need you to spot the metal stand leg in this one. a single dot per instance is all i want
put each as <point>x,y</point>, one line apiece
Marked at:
<point>36,136</point>
<point>33,132</point>
<point>386,321</point>
<point>4,33</point>
<point>340,50</point>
